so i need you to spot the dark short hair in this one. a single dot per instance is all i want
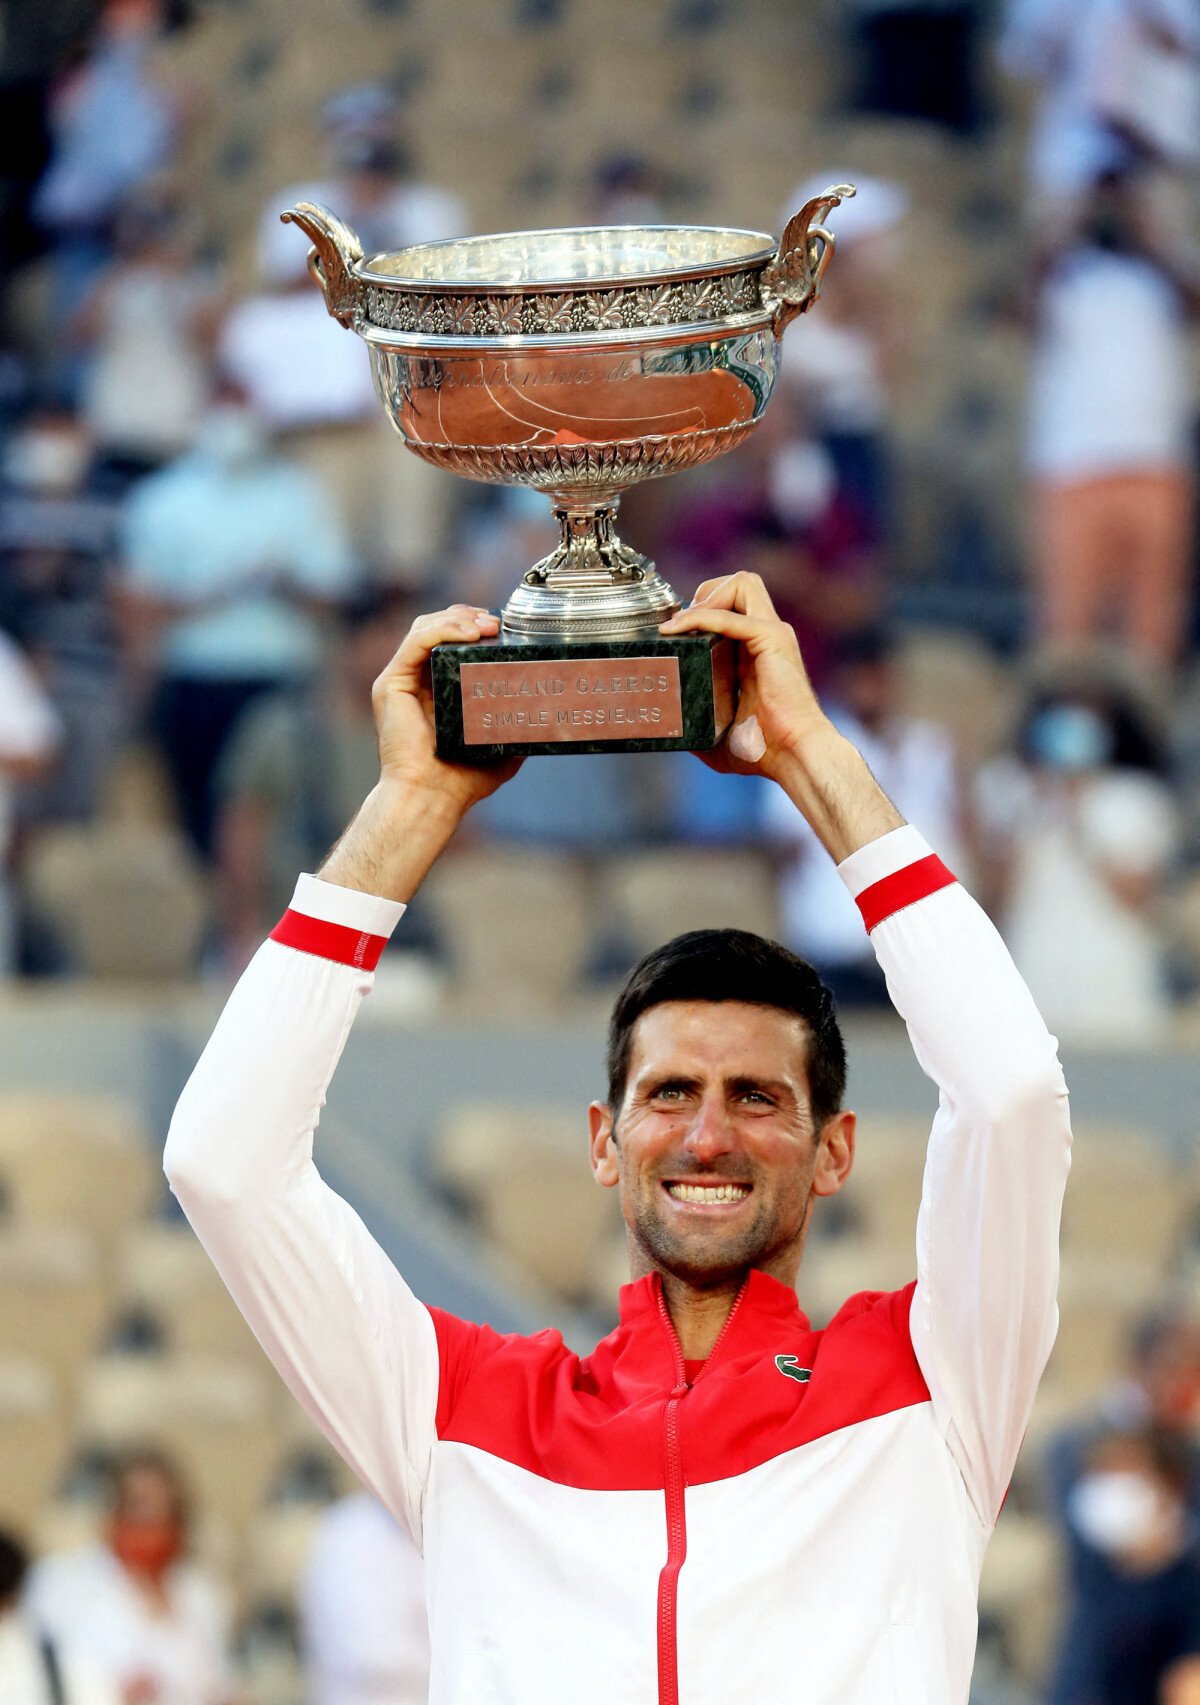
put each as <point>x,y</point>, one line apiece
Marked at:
<point>14,1560</point>
<point>733,965</point>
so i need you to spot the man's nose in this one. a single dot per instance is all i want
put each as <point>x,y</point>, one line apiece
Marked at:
<point>711,1131</point>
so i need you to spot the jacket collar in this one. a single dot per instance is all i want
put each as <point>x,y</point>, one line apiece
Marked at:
<point>763,1297</point>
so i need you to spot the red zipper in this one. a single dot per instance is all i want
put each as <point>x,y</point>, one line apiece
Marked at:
<point>673,1487</point>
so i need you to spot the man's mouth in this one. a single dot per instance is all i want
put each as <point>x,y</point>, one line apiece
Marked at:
<point>705,1195</point>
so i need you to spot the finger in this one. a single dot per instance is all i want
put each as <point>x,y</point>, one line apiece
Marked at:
<point>706,588</point>
<point>754,631</point>
<point>742,591</point>
<point>461,623</point>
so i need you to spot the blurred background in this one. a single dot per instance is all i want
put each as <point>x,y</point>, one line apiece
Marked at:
<point>974,497</point>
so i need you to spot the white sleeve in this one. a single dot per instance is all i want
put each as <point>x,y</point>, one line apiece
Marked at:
<point>337,1320</point>
<point>984,1313</point>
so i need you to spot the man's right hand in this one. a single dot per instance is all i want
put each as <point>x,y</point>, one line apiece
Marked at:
<point>420,799</point>
<point>403,702</point>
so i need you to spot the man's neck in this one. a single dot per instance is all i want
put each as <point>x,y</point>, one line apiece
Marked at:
<point>698,1316</point>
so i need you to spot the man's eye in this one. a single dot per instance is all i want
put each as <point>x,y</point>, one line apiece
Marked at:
<point>669,1092</point>
<point>759,1095</point>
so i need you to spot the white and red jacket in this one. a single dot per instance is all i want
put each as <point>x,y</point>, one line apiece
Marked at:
<point>801,1523</point>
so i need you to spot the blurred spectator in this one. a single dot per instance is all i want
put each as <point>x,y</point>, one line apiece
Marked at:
<point>777,509</point>
<point>915,765</point>
<point>839,363</point>
<point>57,543</point>
<point>364,1627</point>
<point>1161,1390</point>
<point>307,378</point>
<point>295,772</point>
<point>373,185</point>
<point>134,1604</point>
<point>33,1669</point>
<point>1083,828</point>
<point>113,128</point>
<point>916,59</point>
<point>231,556</point>
<point>626,190</point>
<point>1120,86</point>
<point>1133,1630</point>
<point>147,375</point>
<point>1110,450</point>
<point>29,739</point>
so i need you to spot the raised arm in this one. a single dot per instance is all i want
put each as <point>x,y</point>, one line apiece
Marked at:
<point>984,1313</point>
<point>337,1320</point>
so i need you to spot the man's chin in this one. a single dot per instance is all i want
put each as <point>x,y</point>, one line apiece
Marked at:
<point>703,1260</point>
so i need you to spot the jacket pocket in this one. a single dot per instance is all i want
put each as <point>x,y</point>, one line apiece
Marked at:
<point>907,1665</point>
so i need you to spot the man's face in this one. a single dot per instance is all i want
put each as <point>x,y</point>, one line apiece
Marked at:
<point>714,1146</point>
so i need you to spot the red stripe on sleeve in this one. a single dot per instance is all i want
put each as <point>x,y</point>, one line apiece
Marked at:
<point>329,941</point>
<point>903,888</point>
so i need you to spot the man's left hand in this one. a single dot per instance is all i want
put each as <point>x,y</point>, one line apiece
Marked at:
<point>776,704</point>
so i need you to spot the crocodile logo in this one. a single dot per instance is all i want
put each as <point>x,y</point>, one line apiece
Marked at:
<point>790,1365</point>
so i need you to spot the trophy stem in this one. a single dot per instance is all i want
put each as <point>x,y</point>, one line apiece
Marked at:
<point>590,583</point>
<point>588,552</point>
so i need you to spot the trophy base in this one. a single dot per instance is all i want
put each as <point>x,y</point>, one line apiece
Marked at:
<point>517,696</point>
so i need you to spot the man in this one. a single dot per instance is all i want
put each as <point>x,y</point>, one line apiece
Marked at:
<point>719,1503</point>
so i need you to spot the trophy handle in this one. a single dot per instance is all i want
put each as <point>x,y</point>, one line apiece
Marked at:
<point>791,281</point>
<point>335,253</point>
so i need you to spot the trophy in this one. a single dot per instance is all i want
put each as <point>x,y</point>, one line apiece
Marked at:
<point>578,361</point>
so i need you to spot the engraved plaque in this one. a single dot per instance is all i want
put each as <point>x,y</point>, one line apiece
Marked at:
<point>582,698</point>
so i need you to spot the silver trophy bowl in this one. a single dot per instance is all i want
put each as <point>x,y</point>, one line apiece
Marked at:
<point>579,362</point>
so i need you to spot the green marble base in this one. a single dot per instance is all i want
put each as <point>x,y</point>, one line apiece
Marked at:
<point>543,710</point>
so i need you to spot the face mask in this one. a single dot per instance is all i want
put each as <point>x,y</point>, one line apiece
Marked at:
<point>800,483</point>
<point>231,435</point>
<point>47,461</point>
<point>145,1549</point>
<point>1117,1512</point>
<point>1071,738</point>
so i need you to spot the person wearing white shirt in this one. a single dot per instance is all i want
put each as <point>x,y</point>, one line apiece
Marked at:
<point>306,377</point>
<point>1109,447</point>
<point>364,1626</point>
<point>1085,842</point>
<point>153,1621</point>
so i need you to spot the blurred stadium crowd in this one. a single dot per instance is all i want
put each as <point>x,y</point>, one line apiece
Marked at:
<point>974,498</point>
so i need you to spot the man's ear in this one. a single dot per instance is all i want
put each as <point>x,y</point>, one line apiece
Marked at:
<point>835,1156</point>
<point>603,1144</point>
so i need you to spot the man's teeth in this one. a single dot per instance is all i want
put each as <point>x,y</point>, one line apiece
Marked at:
<point>708,1192</point>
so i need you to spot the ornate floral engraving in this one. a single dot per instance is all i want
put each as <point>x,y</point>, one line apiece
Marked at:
<point>554,313</point>
<point>460,318</point>
<point>537,313</point>
<point>604,310</point>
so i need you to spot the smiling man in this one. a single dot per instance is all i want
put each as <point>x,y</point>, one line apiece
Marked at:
<point>719,1504</point>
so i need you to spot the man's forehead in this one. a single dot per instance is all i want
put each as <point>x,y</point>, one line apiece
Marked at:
<point>721,1037</point>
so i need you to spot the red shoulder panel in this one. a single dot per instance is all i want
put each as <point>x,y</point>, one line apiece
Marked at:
<point>596,1423</point>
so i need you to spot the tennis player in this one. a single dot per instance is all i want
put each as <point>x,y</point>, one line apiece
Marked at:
<point>719,1505</point>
